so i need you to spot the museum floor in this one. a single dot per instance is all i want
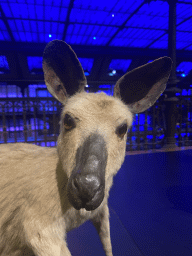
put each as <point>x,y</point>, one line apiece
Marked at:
<point>150,208</point>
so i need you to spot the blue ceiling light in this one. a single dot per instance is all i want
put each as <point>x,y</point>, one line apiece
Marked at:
<point>113,15</point>
<point>89,34</point>
<point>184,68</point>
<point>50,35</point>
<point>119,65</point>
<point>112,73</point>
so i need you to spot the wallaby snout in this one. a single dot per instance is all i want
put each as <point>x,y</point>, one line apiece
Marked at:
<point>88,190</point>
<point>86,185</point>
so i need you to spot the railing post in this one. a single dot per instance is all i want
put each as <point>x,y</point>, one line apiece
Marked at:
<point>25,131</point>
<point>171,100</point>
<point>4,125</point>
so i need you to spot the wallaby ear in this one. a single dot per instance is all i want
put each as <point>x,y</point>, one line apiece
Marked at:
<point>63,72</point>
<point>141,87</point>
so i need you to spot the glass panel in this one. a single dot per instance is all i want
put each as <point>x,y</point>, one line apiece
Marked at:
<point>35,64</point>
<point>4,66</point>
<point>120,64</point>
<point>33,31</point>
<point>135,37</point>
<point>161,43</point>
<point>87,64</point>
<point>89,34</point>
<point>97,17</point>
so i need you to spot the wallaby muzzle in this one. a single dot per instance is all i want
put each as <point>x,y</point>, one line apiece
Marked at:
<point>86,186</point>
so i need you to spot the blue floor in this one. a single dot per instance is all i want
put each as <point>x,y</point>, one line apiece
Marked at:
<point>150,209</point>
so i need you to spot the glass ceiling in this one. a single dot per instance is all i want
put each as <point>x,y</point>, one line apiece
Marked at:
<point>124,23</point>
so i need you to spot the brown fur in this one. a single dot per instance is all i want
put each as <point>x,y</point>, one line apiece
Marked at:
<point>35,213</point>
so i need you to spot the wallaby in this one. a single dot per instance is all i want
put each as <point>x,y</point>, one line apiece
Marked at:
<point>46,192</point>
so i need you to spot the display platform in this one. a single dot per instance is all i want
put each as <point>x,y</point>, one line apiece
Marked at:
<point>150,209</point>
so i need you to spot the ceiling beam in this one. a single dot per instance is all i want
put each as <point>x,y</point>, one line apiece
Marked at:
<point>104,68</point>
<point>159,37</point>
<point>25,82</point>
<point>190,44</point>
<point>182,2</point>
<point>94,75</point>
<point>137,62</point>
<point>6,24</point>
<point>85,23</point>
<point>124,23</point>
<point>36,49</point>
<point>67,19</point>
<point>188,18</point>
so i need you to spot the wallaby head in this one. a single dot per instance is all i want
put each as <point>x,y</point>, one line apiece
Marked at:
<point>93,126</point>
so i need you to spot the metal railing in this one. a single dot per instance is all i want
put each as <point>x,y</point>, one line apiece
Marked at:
<point>33,120</point>
<point>36,120</point>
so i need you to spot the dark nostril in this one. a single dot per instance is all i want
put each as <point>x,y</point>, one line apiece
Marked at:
<point>75,183</point>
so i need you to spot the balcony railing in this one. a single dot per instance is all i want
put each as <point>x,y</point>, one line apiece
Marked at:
<point>36,120</point>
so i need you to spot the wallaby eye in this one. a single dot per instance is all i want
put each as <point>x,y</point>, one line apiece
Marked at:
<point>121,130</point>
<point>69,122</point>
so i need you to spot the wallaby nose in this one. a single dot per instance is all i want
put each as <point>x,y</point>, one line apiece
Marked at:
<point>86,186</point>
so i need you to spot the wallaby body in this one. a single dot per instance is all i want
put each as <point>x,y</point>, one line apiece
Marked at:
<point>46,192</point>
<point>30,200</point>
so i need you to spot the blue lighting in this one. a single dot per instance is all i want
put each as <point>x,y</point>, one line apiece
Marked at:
<point>4,64</point>
<point>184,92</point>
<point>105,86</point>
<point>96,22</point>
<point>87,64</point>
<point>185,67</point>
<point>34,62</point>
<point>119,64</point>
